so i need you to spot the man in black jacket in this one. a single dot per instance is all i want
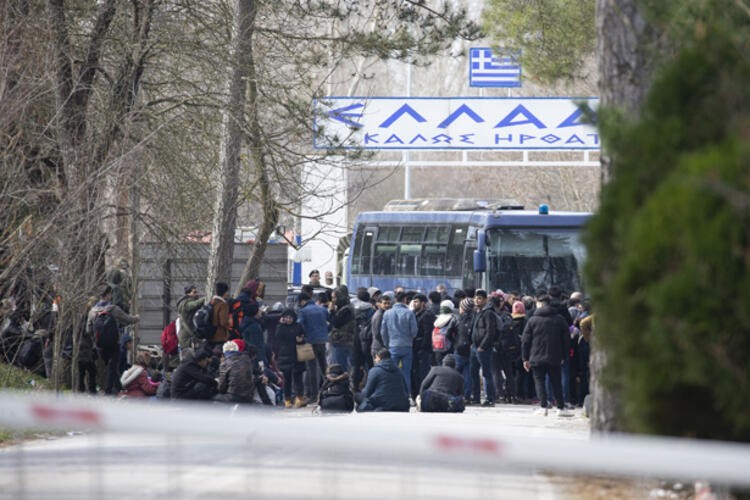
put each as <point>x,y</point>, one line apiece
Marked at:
<point>442,389</point>
<point>190,379</point>
<point>422,345</point>
<point>545,341</point>
<point>482,337</point>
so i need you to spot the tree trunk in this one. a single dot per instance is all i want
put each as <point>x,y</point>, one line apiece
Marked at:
<point>627,51</point>
<point>225,209</point>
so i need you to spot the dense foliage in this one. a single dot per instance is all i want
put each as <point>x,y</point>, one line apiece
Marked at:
<point>669,265</point>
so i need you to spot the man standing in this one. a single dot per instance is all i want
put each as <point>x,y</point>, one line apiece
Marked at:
<point>186,307</point>
<point>220,318</point>
<point>314,278</point>
<point>422,342</point>
<point>545,341</point>
<point>398,330</point>
<point>103,324</point>
<point>314,319</point>
<point>384,303</point>
<point>483,335</point>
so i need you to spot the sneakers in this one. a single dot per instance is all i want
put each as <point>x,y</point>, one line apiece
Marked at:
<point>488,403</point>
<point>564,413</point>
<point>541,411</point>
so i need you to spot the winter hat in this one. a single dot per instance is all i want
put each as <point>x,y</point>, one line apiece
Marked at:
<point>467,304</point>
<point>251,287</point>
<point>230,347</point>
<point>334,369</point>
<point>518,309</point>
<point>289,312</point>
<point>446,307</point>
<point>240,344</point>
<point>449,360</point>
<point>373,291</point>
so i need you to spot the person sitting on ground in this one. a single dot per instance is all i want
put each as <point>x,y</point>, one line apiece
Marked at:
<point>236,384</point>
<point>190,380</point>
<point>442,389</point>
<point>335,394</point>
<point>136,382</point>
<point>386,388</point>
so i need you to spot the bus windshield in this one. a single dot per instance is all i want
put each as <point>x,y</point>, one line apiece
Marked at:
<point>526,259</point>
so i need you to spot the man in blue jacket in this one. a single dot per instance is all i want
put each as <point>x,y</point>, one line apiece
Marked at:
<point>314,319</point>
<point>386,387</point>
<point>398,330</point>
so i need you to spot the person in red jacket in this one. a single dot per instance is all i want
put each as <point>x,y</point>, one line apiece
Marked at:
<point>136,382</point>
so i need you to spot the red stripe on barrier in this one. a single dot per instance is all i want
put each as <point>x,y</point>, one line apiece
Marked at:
<point>50,414</point>
<point>488,446</point>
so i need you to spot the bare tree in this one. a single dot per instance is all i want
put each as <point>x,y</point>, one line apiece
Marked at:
<point>294,51</point>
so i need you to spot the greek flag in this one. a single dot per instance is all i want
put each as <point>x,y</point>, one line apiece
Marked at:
<point>489,70</point>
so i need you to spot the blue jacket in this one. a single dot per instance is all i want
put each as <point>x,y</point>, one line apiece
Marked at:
<point>385,389</point>
<point>314,319</point>
<point>399,326</point>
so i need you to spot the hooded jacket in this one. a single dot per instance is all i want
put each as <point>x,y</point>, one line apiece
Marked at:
<point>443,379</point>
<point>343,321</point>
<point>286,336</point>
<point>136,384</point>
<point>545,338</point>
<point>385,389</point>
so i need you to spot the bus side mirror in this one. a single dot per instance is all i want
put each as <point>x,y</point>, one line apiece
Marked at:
<point>479,261</point>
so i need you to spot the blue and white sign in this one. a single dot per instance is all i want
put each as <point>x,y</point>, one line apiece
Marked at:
<point>488,69</point>
<point>454,123</point>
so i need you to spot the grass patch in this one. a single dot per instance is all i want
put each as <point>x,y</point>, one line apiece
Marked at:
<point>13,377</point>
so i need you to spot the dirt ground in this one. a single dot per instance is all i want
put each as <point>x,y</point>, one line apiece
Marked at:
<point>595,488</point>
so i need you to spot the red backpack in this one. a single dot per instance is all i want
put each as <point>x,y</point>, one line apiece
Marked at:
<point>169,339</point>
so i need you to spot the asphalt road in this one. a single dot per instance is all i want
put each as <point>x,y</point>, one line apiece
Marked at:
<point>138,466</point>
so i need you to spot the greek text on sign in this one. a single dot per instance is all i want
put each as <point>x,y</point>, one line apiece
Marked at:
<point>454,123</point>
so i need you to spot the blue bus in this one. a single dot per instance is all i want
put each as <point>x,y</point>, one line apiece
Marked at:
<point>492,248</point>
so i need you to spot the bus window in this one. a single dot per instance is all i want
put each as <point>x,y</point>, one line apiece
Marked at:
<point>384,260</point>
<point>361,253</point>
<point>388,233</point>
<point>433,260</point>
<point>455,252</point>
<point>468,266</point>
<point>412,233</point>
<point>408,259</point>
<point>526,260</point>
<point>440,234</point>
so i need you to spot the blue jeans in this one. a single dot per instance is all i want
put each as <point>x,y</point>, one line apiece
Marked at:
<point>482,360</point>
<point>341,355</point>
<point>462,365</point>
<point>403,355</point>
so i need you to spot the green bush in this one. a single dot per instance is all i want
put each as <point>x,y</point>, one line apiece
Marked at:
<point>669,250</point>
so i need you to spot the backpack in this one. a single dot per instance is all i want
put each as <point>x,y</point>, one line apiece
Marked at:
<point>169,338</point>
<point>364,327</point>
<point>440,340</point>
<point>106,333</point>
<point>236,314</point>
<point>203,325</point>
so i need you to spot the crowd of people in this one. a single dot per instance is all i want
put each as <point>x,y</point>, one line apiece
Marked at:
<point>370,351</point>
<point>388,351</point>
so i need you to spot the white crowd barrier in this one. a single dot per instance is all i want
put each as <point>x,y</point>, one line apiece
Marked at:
<point>482,449</point>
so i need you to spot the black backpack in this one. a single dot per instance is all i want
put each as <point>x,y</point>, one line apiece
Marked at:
<point>364,326</point>
<point>203,325</point>
<point>106,333</point>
